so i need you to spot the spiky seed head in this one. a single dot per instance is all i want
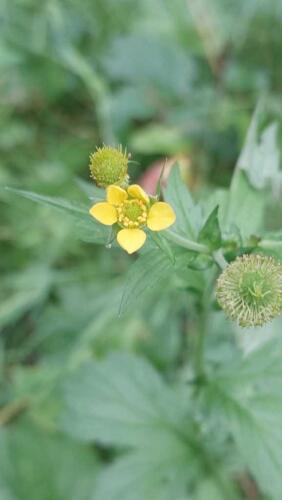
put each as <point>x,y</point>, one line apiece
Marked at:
<point>249,289</point>
<point>109,166</point>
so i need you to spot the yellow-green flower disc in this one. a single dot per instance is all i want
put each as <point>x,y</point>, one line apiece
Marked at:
<point>249,290</point>
<point>109,166</point>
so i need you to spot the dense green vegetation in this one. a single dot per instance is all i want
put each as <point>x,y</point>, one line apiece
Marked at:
<point>98,398</point>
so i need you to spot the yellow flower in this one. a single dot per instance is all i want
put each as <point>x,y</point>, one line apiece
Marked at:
<point>132,210</point>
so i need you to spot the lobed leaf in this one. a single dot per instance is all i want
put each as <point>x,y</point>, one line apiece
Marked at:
<point>246,396</point>
<point>120,401</point>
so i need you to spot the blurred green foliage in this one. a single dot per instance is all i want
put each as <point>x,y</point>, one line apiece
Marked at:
<point>164,79</point>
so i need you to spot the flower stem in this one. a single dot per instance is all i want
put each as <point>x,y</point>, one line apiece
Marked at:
<point>201,330</point>
<point>220,259</point>
<point>199,348</point>
<point>186,243</point>
<point>270,244</point>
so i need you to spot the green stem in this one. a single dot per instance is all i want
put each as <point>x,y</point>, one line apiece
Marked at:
<point>12,410</point>
<point>203,313</point>
<point>269,244</point>
<point>185,243</point>
<point>199,349</point>
<point>220,259</point>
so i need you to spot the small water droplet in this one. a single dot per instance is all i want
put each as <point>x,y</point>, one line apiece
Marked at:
<point>109,245</point>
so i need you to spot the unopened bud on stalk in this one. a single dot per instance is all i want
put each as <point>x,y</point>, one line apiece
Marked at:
<point>249,290</point>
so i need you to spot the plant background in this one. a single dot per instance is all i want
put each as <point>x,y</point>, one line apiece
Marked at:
<point>167,80</point>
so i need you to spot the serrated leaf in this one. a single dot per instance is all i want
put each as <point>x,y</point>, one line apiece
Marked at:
<point>210,233</point>
<point>248,394</point>
<point>161,475</point>
<point>123,401</point>
<point>120,401</point>
<point>188,215</point>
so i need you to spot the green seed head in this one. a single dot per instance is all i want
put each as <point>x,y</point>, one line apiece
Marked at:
<point>109,166</point>
<point>249,290</point>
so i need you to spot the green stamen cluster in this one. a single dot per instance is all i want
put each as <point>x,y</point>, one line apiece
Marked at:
<point>132,213</point>
<point>249,290</point>
<point>109,166</point>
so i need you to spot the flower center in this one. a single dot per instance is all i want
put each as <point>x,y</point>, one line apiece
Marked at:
<point>132,213</point>
<point>255,289</point>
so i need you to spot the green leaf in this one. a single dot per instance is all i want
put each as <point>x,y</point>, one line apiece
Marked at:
<point>257,169</point>
<point>188,215</point>
<point>26,290</point>
<point>163,245</point>
<point>260,159</point>
<point>93,192</point>
<point>246,206</point>
<point>162,474</point>
<point>210,233</point>
<point>123,401</point>
<point>91,231</point>
<point>216,197</point>
<point>145,274</point>
<point>59,203</point>
<point>120,401</point>
<point>86,227</point>
<point>208,489</point>
<point>38,466</point>
<point>246,396</point>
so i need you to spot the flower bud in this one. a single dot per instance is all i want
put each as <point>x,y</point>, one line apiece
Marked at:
<point>249,290</point>
<point>109,166</point>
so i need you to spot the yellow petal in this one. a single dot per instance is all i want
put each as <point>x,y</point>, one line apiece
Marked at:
<point>104,213</point>
<point>116,195</point>
<point>131,239</point>
<point>160,216</point>
<point>137,192</point>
